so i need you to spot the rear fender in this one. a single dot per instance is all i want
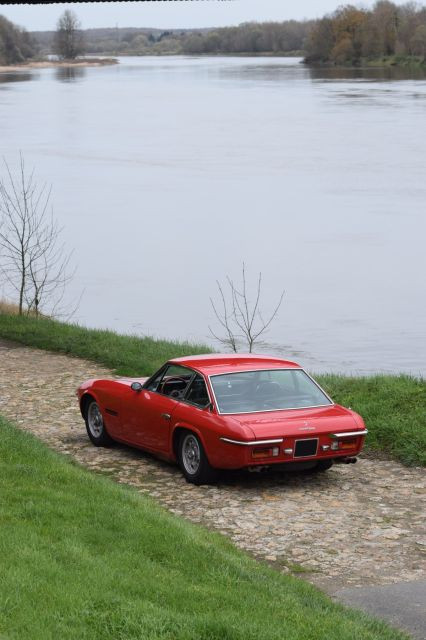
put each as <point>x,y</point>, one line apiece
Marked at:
<point>177,430</point>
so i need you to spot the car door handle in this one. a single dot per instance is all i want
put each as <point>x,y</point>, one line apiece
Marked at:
<point>166,416</point>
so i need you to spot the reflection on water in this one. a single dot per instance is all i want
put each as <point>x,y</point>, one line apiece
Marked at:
<point>264,72</point>
<point>367,73</point>
<point>69,74</point>
<point>18,76</point>
<point>169,172</point>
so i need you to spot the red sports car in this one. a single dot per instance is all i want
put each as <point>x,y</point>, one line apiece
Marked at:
<point>215,412</point>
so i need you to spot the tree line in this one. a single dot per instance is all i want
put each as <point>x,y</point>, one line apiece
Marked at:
<point>343,37</point>
<point>351,34</point>
<point>268,38</point>
<point>346,36</point>
<point>247,38</point>
<point>252,37</point>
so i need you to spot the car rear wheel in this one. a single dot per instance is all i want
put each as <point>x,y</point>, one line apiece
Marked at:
<point>193,460</point>
<point>95,425</point>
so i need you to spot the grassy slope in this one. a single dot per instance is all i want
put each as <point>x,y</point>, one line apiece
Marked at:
<point>394,410</point>
<point>394,407</point>
<point>83,557</point>
<point>127,355</point>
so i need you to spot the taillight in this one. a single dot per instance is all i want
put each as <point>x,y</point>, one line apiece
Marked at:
<point>347,443</point>
<point>341,445</point>
<point>265,453</point>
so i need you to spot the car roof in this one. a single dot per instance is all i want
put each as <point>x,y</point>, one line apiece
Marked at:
<point>214,363</point>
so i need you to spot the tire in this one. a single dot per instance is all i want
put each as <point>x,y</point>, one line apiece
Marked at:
<point>95,425</point>
<point>323,465</point>
<point>193,460</point>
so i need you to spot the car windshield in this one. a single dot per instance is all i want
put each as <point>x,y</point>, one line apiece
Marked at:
<point>266,390</point>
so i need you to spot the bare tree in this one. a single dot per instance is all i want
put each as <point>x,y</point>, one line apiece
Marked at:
<point>240,318</point>
<point>49,271</point>
<point>33,260</point>
<point>225,319</point>
<point>68,40</point>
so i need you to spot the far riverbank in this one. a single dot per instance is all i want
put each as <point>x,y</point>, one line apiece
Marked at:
<point>47,64</point>
<point>399,61</point>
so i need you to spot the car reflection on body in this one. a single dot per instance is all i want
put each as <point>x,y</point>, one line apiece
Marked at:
<point>214,411</point>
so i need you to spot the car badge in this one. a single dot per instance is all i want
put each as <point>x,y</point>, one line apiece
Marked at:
<point>306,427</point>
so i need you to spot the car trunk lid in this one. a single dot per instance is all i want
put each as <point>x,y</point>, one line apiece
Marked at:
<point>301,422</point>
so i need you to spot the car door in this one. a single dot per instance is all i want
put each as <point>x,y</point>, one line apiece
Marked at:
<point>148,416</point>
<point>195,412</point>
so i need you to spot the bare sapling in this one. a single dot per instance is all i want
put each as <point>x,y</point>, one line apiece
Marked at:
<point>241,319</point>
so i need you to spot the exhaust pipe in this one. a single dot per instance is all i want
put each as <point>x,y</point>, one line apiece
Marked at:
<point>346,460</point>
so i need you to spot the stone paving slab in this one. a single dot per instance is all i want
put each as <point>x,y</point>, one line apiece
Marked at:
<point>355,525</point>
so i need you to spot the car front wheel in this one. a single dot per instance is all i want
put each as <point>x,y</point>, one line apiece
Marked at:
<point>193,460</point>
<point>95,425</point>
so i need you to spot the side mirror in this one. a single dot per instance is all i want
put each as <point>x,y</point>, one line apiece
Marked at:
<point>136,386</point>
<point>209,407</point>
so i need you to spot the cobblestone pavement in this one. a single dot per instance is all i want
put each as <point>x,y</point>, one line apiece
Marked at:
<point>354,525</point>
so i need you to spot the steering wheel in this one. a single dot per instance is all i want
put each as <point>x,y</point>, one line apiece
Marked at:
<point>173,379</point>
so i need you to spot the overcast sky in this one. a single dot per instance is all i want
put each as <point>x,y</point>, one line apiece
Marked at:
<point>208,13</point>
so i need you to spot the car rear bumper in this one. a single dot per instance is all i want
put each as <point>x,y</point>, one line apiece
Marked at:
<point>236,454</point>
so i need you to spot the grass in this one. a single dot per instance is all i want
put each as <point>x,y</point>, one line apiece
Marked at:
<point>297,568</point>
<point>394,407</point>
<point>83,557</point>
<point>127,355</point>
<point>8,307</point>
<point>418,62</point>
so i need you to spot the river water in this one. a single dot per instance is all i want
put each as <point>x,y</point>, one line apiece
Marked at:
<point>168,173</point>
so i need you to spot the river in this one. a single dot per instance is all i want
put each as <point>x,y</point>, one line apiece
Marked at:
<point>169,172</point>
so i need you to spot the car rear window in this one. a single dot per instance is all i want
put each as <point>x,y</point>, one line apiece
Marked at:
<point>266,390</point>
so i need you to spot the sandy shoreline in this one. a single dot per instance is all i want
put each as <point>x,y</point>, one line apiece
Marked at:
<point>46,64</point>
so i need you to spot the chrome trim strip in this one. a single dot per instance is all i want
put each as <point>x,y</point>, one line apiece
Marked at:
<point>319,387</point>
<point>349,434</point>
<point>252,442</point>
<point>239,413</point>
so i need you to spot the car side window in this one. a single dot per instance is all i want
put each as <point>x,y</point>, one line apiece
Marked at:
<point>197,393</point>
<point>155,381</point>
<point>171,381</point>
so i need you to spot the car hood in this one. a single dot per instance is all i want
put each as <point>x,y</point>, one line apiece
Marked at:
<point>87,384</point>
<point>303,422</point>
<point>128,381</point>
